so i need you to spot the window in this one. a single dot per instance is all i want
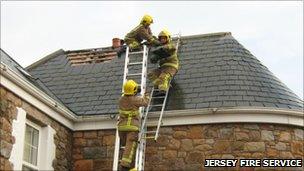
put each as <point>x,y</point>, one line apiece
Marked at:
<point>34,147</point>
<point>31,146</point>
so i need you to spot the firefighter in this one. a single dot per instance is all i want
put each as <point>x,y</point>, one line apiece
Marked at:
<point>141,32</point>
<point>128,123</point>
<point>168,62</point>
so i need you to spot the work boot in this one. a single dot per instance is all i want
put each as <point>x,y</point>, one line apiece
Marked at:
<point>164,86</point>
<point>154,79</point>
<point>124,164</point>
<point>122,168</point>
<point>135,49</point>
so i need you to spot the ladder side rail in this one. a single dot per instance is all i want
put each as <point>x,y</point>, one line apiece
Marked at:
<point>161,115</point>
<point>146,116</point>
<point>142,140</point>
<point>139,161</point>
<point>116,151</point>
<point>117,138</point>
<point>141,137</point>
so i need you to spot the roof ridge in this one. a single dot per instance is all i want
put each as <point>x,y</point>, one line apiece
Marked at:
<point>207,35</point>
<point>60,51</point>
<point>45,59</point>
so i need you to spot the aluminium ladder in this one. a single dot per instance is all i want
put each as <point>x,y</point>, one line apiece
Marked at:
<point>129,74</point>
<point>144,133</point>
<point>154,102</point>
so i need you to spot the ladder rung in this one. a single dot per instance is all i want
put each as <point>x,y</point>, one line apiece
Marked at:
<point>157,105</point>
<point>149,132</point>
<point>131,53</point>
<point>122,147</point>
<point>135,63</point>
<point>159,90</point>
<point>135,74</point>
<point>154,123</point>
<point>158,97</point>
<point>150,137</point>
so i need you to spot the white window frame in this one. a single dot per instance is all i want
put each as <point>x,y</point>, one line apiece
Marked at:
<point>39,128</point>
<point>46,145</point>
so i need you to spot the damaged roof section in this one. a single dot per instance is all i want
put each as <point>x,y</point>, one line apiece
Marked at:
<point>90,56</point>
<point>216,72</point>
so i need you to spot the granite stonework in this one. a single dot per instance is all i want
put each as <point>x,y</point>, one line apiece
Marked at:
<point>186,147</point>
<point>63,137</point>
<point>178,147</point>
<point>93,150</point>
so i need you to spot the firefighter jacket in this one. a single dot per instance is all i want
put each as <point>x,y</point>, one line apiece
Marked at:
<point>171,59</point>
<point>141,33</point>
<point>129,112</point>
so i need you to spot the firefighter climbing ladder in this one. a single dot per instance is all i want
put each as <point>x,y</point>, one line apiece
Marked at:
<point>127,74</point>
<point>144,133</point>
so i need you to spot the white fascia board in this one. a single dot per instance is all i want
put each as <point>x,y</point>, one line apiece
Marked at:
<point>207,116</point>
<point>36,97</point>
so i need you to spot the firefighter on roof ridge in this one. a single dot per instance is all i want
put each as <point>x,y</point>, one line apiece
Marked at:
<point>141,32</point>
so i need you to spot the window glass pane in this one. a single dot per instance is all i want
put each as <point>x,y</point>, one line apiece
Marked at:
<point>35,137</point>
<point>26,153</point>
<point>31,145</point>
<point>34,156</point>
<point>28,134</point>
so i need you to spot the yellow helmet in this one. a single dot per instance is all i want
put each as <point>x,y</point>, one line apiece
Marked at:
<point>165,33</point>
<point>146,20</point>
<point>130,87</point>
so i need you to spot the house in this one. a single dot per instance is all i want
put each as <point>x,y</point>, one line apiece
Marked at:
<point>223,104</point>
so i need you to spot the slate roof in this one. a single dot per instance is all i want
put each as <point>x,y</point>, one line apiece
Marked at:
<point>11,63</point>
<point>216,71</point>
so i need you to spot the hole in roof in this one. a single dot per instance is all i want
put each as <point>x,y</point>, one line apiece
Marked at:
<point>91,56</point>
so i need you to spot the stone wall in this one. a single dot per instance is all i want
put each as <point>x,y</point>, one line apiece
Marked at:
<point>63,137</point>
<point>178,147</point>
<point>93,150</point>
<point>186,147</point>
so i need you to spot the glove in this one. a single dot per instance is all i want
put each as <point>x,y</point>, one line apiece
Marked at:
<point>121,50</point>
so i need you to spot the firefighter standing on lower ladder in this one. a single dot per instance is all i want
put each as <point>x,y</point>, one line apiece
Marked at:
<point>128,123</point>
<point>168,62</point>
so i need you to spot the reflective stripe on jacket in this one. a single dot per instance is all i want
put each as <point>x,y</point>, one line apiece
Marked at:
<point>129,112</point>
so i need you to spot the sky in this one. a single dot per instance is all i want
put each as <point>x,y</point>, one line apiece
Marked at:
<point>272,31</point>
